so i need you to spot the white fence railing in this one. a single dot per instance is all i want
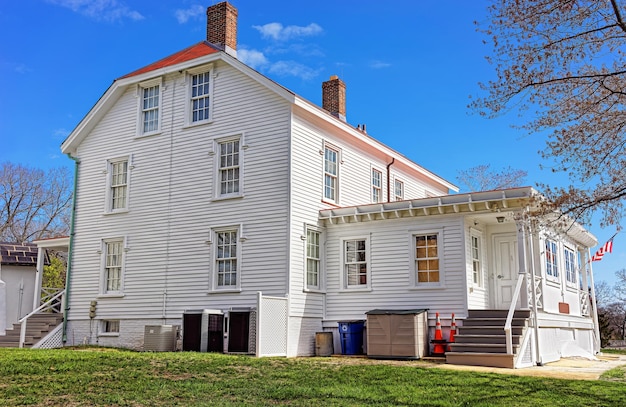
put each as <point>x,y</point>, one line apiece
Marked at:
<point>509,318</point>
<point>53,305</point>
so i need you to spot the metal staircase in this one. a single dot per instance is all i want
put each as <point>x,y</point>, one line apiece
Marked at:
<point>481,340</point>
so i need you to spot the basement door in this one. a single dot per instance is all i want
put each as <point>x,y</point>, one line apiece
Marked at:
<point>238,331</point>
<point>505,270</point>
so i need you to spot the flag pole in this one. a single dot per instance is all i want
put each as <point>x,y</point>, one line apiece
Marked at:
<point>594,305</point>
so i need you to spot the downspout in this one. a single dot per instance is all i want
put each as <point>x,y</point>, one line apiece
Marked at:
<point>393,160</point>
<point>68,272</point>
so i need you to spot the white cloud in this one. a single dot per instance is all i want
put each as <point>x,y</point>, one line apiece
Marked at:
<point>251,57</point>
<point>291,68</point>
<point>191,13</point>
<point>379,65</point>
<point>278,32</point>
<point>105,10</point>
<point>22,69</point>
<point>60,133</point>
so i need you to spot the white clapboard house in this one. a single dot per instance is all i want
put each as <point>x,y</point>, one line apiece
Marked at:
<point>210,197</point>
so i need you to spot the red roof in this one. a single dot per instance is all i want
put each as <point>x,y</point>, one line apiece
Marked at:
<point>195,51</point>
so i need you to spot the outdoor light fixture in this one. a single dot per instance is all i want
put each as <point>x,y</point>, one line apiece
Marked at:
<point>500,219</point>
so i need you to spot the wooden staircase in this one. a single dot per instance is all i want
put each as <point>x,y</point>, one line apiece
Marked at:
<point>37,327</point>
<point>481,340</point>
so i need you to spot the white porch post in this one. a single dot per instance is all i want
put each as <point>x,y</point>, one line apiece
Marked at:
<point>38,276</point>
<point>594,306</point>
<point>522,250</point>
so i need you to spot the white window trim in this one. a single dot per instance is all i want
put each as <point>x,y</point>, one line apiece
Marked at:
<point>395,197</point>
<point>368,260</point>
<point>213,287</point>
<point>440,252</point>
<point>188,103</point>
<point>555,280</point>
<point>217,196</point>
<point>575,266</point>
<point>327,145</point>
<point>108,203</point>
<point>103,293</point>
<point>475,233</point>
<point>140,88</point>
<point>321,277</point>
<point>380,187</point>
<point>102,327</point>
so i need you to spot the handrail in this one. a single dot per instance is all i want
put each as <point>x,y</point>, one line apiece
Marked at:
<point>509,318</point>
<point>43,307</point>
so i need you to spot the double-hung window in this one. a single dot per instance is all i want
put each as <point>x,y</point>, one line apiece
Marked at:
<point>398,190</point>
<point>150,109</point>
<point>229,167</point>
<point>427,259</point>
<point>552,265</point>
<point>113,273</point>
<point>331,174</point>
<point>118,180</point>
<point>313,259</point>
<point>200,103</point>
<point>570,266</point>
<point>476,253</point>
<point>377,177</point>
<point>355,263</point>
<point>226,260</point>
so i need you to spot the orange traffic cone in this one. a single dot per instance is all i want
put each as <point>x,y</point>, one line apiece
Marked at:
<point>438,348</point>
<point>438,335</point>
<point>452,331</point>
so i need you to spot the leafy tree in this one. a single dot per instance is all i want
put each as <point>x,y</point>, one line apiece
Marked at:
<point>561,65</point>
<point>483,178</point>
<point>54,273</point>
<point>33,204</point>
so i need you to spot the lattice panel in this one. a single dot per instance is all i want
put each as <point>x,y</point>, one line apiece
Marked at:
<point>272,326</point>
<point>53,340</point>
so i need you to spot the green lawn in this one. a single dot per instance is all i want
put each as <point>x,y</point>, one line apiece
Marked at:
<point>85,377</point>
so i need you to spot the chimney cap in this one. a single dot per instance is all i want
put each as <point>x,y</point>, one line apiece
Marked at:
<point>333,77</point>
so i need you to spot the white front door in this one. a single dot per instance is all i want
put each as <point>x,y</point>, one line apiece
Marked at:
<point>505,269</point>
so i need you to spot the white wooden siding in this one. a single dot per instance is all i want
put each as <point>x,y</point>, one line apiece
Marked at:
<point>171,210</point>
<point>390,268</point>
<point>307,190</point>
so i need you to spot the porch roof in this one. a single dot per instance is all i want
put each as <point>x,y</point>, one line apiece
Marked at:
<point>497,203</point>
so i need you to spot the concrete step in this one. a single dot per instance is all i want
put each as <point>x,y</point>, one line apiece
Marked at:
<point>481,359</point>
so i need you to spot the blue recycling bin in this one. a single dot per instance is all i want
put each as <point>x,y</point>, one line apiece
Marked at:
<point>351,337</point>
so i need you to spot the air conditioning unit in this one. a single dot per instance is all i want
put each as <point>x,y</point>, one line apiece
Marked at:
<point>160,338</point>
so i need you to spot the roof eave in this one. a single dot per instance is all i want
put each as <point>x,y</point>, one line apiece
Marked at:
<point>371,141</point>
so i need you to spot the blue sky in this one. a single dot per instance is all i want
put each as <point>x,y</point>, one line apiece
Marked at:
<point>409,66</point>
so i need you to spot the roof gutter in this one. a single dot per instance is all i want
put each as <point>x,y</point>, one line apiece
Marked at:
<point>68,272</point>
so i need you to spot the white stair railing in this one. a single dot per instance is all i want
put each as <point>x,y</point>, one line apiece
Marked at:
<point>509,318</point>
<point>51,304</point>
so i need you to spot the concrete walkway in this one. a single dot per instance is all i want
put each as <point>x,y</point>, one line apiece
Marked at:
<point>566,368</point>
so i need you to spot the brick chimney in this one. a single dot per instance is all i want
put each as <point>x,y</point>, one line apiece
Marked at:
<point>334,97</point>
<point>221,27</point>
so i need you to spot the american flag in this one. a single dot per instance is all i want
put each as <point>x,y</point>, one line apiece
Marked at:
<point>607,248</point>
